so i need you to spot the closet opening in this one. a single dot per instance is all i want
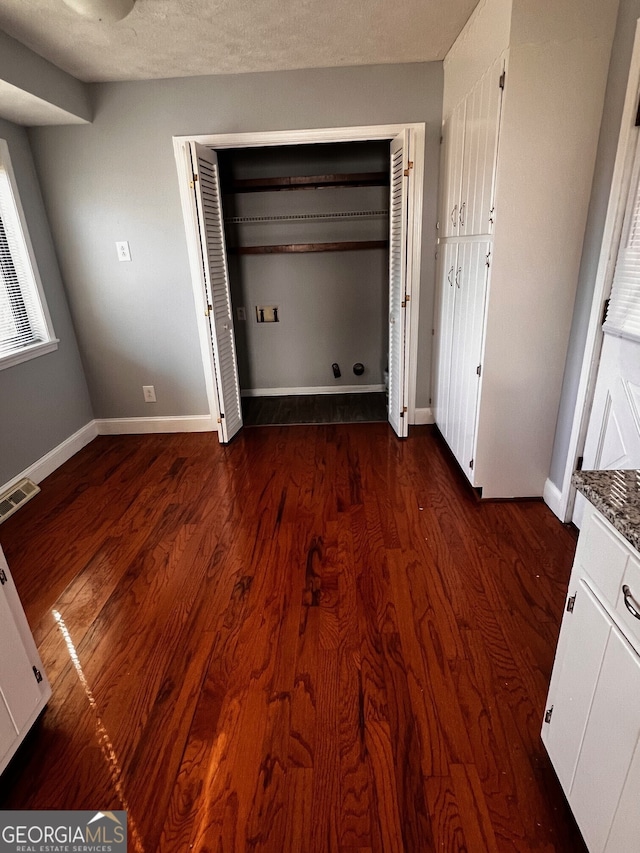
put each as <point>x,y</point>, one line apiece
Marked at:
<point>307,241</point>
<point>213,265</point>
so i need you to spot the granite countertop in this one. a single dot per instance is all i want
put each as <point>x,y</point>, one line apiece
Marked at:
<point>616,494</point>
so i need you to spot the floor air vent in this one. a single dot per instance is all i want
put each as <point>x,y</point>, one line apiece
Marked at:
<point>17,495</point>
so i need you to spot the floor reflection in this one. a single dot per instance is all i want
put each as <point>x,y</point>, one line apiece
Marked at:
<point>106,745</point>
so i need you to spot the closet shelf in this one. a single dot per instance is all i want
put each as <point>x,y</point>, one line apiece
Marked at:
<point>308,182</point>
<point>294,248</point>
<point>308,217</point>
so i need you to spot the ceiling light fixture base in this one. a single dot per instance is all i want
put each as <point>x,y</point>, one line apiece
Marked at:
<point>105,11</point>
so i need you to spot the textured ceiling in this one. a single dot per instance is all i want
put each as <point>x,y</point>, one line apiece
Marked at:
<point>183,38</point>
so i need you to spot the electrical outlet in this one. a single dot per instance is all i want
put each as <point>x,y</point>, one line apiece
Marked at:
<point>122,248</point>
<point>242,313</point>
<point>149,392</point>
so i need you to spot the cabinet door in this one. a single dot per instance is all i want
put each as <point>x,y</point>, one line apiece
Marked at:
<point>470,164</point>
<point>470,284</point>
<point>8,733</point>
<point>18,686</point>
<point>581,647</point>
<point>446,295</point>
<point>610,740</point>
<point>625,831</point>
<point>593,732</point>
<point>453,132</point>
<point>482,129</point>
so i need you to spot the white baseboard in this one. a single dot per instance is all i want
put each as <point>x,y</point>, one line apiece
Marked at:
<point>143,426</point>
<point>311,389</point>
<point>423,416</point>
<point>48,463</point>
<point>552,496</point>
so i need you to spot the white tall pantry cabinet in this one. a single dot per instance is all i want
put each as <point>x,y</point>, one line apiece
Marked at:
<point>523,94</point>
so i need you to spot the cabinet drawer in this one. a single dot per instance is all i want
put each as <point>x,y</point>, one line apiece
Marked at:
<point>606,557</point>
<point>629,590</point>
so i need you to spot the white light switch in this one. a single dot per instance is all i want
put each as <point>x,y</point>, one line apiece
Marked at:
<point>122,248</point>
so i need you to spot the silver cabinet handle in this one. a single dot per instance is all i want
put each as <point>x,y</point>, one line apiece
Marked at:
<point>454,215</point>
<point>450,277</point>
<point>629,603</point>
<point>462,213</point>
<point>458,271</point>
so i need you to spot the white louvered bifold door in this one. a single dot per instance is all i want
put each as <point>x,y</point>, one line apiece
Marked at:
<point>217,291</point>
<point>398,220</point>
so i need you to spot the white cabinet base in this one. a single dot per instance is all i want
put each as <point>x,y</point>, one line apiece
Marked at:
<point>24,689</point>
<point>592,721</point>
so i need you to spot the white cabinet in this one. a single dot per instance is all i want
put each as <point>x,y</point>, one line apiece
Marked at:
<point>444,329</point>
<point>592,717</point>
<point>24,689</point>
<point>470,138</point>
<point>518,157</point>
<point>453,141</point>
<point>461,326</point>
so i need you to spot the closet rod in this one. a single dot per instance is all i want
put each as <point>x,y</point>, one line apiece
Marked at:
<point>296,248</point>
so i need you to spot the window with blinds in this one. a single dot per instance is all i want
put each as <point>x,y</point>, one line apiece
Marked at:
<point>623,312</point>
<point>25,327</point>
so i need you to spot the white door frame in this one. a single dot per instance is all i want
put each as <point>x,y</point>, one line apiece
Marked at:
<point>562,502</point>
<point>416,134</point>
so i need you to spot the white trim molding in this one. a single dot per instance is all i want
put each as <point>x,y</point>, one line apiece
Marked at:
<point>26,354</point>
<point>604,277</point>
<point>417,132</point>
<point>311,389</point>
<point>56,457</point>
<point>422,416</point>
<point>552,496</point>
<point>149,426</point>
<point>48,463</point>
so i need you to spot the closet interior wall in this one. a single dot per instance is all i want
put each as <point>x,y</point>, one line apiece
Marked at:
<point>332,305</point>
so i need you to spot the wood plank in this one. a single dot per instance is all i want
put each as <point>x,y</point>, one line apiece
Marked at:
<point>308,182</point>
<point>302,248</point>
<point>313,639</point>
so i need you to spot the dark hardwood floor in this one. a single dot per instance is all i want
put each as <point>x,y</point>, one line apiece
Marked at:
<point>314,639</point>
<point>315,409</point>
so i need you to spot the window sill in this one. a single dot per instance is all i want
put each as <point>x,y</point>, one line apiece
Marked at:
<point>28,353</point>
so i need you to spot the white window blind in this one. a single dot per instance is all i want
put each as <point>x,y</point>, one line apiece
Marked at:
<point>23,321</point>
<point>623,313</point>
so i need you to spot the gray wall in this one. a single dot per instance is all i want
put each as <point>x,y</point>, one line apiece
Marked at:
<point>628,14</point>
<point>45,400</point>
<point>38,79</point>
<point>333,306</point>
<point>116,180</point>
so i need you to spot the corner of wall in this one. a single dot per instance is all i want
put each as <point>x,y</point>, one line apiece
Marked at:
<point>552,496</point>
